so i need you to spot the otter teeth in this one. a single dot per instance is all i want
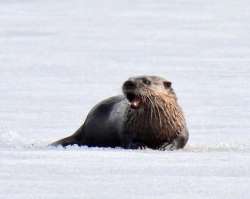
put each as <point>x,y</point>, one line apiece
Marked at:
<point>135,103</point>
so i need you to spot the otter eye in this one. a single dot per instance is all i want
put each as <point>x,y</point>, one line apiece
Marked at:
<point>146,81</point>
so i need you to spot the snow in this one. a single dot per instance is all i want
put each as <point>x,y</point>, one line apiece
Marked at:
<point>59,58</point>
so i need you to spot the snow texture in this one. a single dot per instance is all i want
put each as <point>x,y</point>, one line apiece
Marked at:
<point>59,58</point>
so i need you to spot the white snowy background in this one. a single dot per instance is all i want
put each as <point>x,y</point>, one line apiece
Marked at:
<point>59,58</point>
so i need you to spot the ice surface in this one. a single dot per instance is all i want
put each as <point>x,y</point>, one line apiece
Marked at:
<point>59,58</point>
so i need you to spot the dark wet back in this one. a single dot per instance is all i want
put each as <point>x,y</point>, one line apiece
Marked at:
<point>103,125</point>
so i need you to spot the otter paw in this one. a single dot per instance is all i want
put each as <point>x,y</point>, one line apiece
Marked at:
<point>136,145</point>
<point>167,147</point>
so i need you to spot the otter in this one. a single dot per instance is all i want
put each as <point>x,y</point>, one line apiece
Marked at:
<point>146,115</point>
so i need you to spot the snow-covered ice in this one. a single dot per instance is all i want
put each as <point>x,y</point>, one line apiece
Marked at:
<point>59,58</point>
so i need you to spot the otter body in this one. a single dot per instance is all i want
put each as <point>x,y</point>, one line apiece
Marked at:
<point>147,115</point>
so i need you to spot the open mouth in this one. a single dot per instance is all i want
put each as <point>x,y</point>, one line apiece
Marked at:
<point>134,100</point>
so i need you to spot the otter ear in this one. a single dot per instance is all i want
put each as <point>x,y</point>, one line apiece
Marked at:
<point>167,84</point>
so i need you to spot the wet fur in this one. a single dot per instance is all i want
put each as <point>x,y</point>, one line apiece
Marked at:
<point>158,124</point>
<point>160,121</point>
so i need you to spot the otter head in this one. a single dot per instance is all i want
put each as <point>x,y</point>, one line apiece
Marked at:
<point>139,90</point>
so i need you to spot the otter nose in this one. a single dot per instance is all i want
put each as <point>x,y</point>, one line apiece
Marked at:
<point>129,85</point>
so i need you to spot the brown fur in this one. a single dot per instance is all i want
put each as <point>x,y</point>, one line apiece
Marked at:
<point>147,115</point>
<point>160,120</point>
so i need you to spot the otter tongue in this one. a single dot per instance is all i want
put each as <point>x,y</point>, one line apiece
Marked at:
<point>135,103</point>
